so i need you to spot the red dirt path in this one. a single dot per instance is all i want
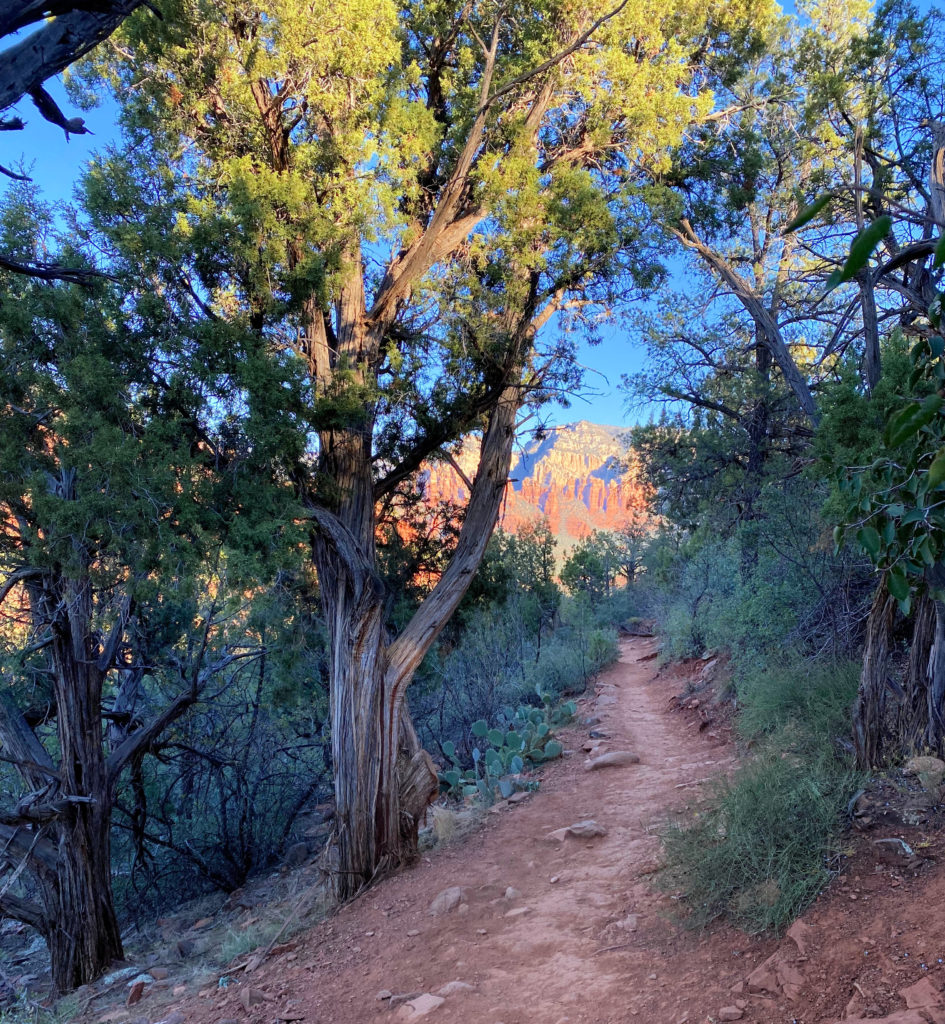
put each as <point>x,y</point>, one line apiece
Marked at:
<point>596,944</point>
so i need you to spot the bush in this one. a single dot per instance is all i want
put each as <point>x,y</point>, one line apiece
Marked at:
<point>501,661</point>
<point>771,585</point>
<point>812,698</point>
<point>584,642</point>
<point>762,852</point>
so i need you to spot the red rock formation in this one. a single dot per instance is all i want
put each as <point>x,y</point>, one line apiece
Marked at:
<point>578,475</point>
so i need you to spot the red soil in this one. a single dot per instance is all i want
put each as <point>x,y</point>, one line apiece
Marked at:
<point>587,938</point>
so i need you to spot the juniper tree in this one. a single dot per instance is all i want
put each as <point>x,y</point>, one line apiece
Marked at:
<point>115,578</point>
<point>414,202</point>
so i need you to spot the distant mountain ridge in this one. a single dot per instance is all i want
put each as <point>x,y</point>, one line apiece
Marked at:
<point>578,475</point>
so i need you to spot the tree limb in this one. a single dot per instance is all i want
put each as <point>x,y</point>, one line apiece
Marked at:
<point>23,748</point>
<point>60,41</point>
<point>769,331</point>
<point>53,271</point>
<point>142,738</point>
<point>23,910</point>
<point>19,842</point>
<point>408,650</point>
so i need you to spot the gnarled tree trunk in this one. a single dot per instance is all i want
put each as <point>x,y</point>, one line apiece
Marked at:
<point>869,712</point>
<point>60,832</point>
<point>384,780</point>
<point>914,709</point>
<point>82,930</point>
<point>923,719</point>
<point>83,934</point>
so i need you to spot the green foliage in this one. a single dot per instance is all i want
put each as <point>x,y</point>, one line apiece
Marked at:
<point>894,505</point>
<point>807,700</point>
<point>850,432</point>
<point>136,466</point>
<point>501,755</point>
<point>514,638</point>
<point>517,567</point>
<point>763,849</point>
<point>264,209</point>
<point>774,584</point>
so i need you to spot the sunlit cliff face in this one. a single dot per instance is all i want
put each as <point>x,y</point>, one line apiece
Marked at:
<point>579,476</point>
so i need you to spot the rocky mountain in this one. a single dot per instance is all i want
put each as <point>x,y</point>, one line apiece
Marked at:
<point>578,475</point>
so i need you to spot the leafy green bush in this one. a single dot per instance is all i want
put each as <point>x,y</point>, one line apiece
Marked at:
<point>571,657</point>
<point>774,584</point>
<point>500,661</point>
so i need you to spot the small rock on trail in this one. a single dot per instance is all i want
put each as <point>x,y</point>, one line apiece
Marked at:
<point>923,994</point>
<point>423,1005</point>
<point>454,988</point>
<point>449,899</point>
<point>588,829</point>
<point>930,770</point>
<point>615,759</point>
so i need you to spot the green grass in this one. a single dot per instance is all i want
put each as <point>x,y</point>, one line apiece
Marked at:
<point>812,699</point>
<point>760,852</point>
<point>237,943</point>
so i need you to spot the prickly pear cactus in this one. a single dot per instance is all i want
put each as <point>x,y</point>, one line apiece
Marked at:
<point>503,753</point>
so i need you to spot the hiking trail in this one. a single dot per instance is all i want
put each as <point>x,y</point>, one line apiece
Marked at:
<point>521,922</point>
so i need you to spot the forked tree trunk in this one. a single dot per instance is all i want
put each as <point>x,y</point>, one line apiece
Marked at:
<point>64,841</point>
<point>363,724</point>
<point>66,848</point>
<point>384,780</point>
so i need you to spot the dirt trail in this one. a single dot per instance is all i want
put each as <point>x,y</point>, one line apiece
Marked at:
<point>584,937</point>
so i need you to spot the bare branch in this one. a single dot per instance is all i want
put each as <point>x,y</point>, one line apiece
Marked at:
<point>23,910</point>
<point>15,578</point>
<point>14,175</point>
<point>22,747</point>
<point>51,110</point>
<point>142,738</point>
<point>60,41</point>
<point>553,61</point>
<point>53,271</point>
<point>459,470</point>
<point>21,842</point>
